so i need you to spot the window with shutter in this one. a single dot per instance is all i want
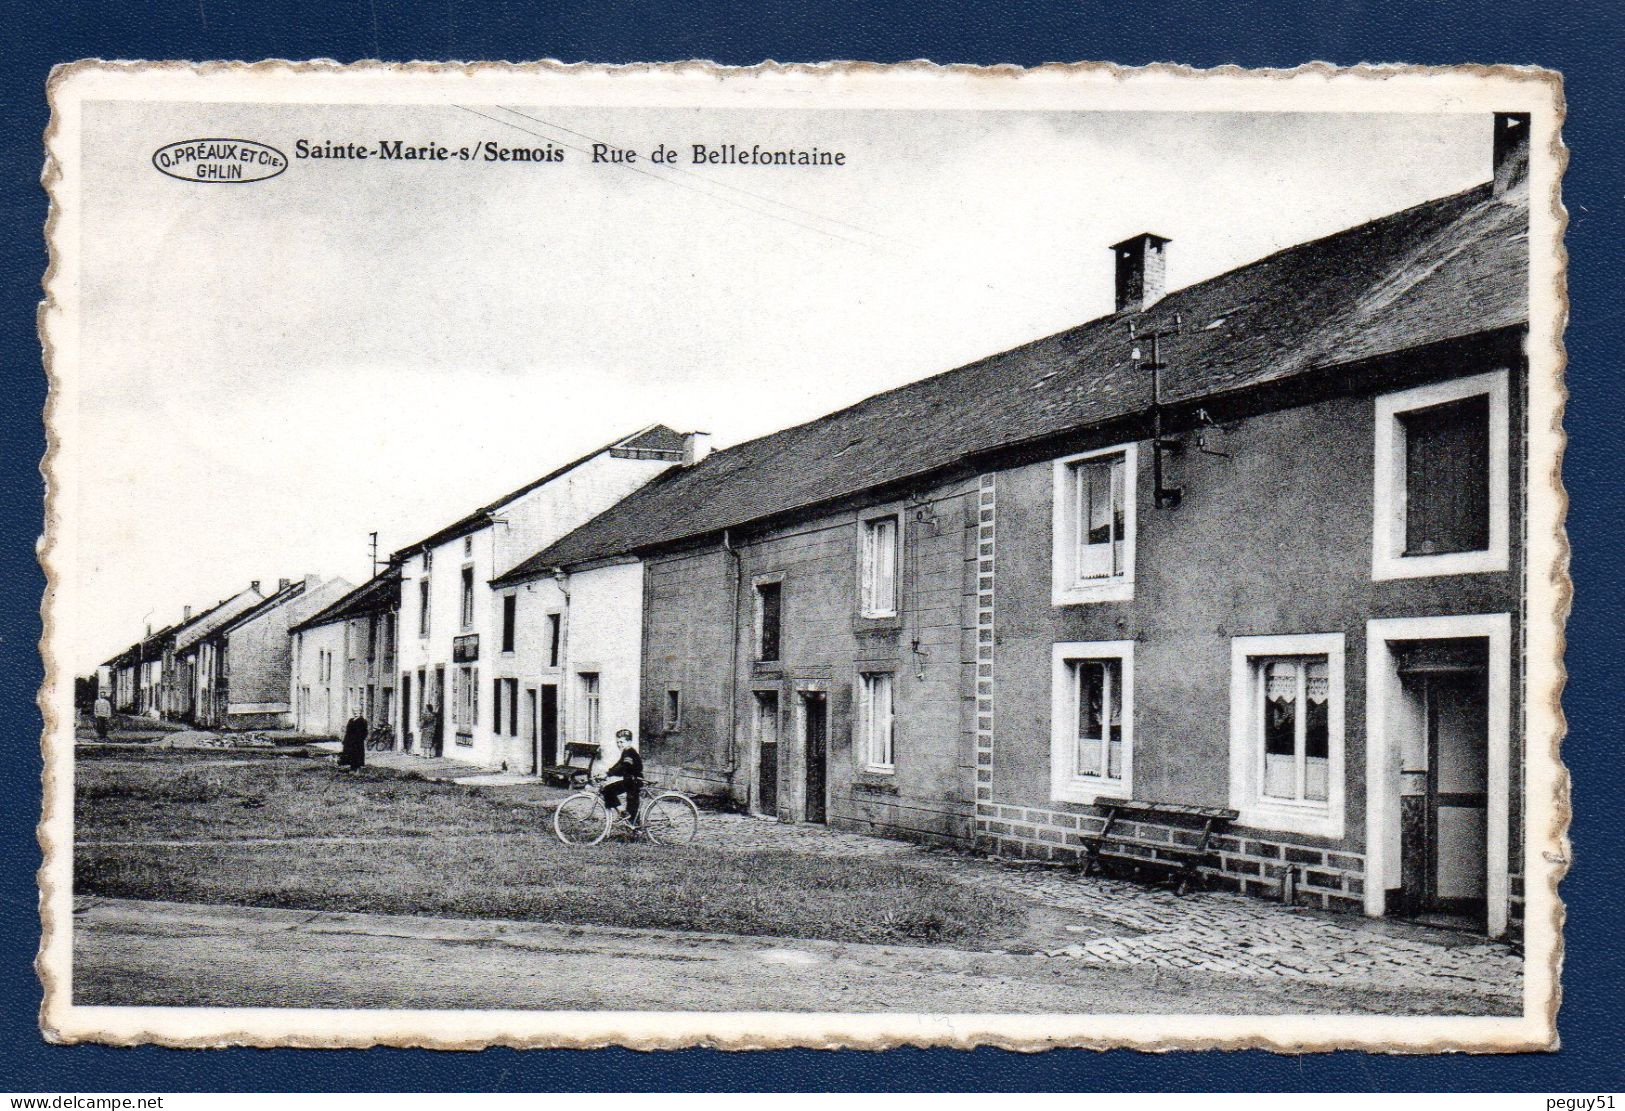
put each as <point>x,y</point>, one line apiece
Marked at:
<point>1441,496</point>
<point>510,605</point>
<point>1447,477</point>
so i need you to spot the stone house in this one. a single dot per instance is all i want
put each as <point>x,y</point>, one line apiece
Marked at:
<point>242,669</point>
<point>177,683</point>
<point>457,650</point>
<point>1256,543</point>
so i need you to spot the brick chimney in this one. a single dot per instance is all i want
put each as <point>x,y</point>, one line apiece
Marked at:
<point>1142,271</point>
<point>283,584</point>
<point>186,613</point>
<point>696,446</point>
<point>1511,151</point>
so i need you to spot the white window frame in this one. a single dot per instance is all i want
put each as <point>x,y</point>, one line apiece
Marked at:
<point>887,765</point>
<point>1066,588</point>
<point>1386,725</point>
<point>1065,784</point>
<point>869,605</point>
<point>1312,819</point>
<point>1388,558</point>
<point>592,705</point>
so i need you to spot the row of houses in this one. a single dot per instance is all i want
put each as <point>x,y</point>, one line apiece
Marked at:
<point>1253,544</point>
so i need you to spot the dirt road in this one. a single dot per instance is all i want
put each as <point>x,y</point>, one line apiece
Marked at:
<point>170,954</point>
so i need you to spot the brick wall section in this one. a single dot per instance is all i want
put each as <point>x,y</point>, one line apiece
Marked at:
<point>1251,863</point>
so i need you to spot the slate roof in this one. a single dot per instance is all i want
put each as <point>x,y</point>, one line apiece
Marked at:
<point>1445,269</point>
<point>200,626</point>
<point>656,437</point>
<point>376,595</point>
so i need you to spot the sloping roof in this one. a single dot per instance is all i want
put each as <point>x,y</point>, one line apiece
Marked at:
<point>200,626</point>
<point>283,596</point>
<point>654,437</point>
<point>373,596</point>
<point>1446,269</point>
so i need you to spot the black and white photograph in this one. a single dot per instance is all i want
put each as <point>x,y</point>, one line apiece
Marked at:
<point>803,556</point>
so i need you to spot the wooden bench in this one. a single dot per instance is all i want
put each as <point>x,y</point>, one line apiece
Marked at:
<point>578,760</point>
<point>1191,831</point>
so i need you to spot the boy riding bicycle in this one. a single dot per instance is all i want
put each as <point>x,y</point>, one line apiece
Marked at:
<point>624,777</point>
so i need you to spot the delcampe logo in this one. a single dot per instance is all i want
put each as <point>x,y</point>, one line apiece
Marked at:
<point>219,161</point>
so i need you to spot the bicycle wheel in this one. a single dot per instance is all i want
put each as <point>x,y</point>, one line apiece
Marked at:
<point>581,819</point>
<point>670,819</point>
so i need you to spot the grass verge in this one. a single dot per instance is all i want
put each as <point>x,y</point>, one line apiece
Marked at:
<point>519,871</point>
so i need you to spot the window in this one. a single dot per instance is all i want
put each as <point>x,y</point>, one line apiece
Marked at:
<point>876,722</point>
<point>505,705</point>
<point>510,604</point>
<point>1292,726</point>
<point>423,607</point>
<point>468,545</point>
<point>591,708</point>
<point>1447,477</point>
<point>878,588</point>
<point>554,629</point>
<point>769,605</point>
<point>1094,519</point>
<point>674,709</point>
<point>1286,733</point>
<point>1092,721</point>
<point>428,560</point>
<point>468,597</point>
<point>1441,495</point>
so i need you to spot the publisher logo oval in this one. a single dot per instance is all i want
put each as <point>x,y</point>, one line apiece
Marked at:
<point>219,161</point>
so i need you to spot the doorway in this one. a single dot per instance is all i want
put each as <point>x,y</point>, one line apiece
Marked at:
<point>1438,764</point>
<point>532,710</point>
<point>437,743</point>
<point>815,735</point>
<point>547,739</point>
<point>406,711</point>
<point>767,753</point>
<point>1444,796</point>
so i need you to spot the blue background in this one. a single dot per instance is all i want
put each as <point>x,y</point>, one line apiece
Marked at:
<point>1579,39</point>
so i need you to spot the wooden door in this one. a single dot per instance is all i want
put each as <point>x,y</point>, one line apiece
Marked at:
<point>548,741</point>
<point>406,712</point>
<point>439,740</point>
<point>815,724</point>
<point>532,709</point>
<point>767,749</point>
<point>1457,720</point>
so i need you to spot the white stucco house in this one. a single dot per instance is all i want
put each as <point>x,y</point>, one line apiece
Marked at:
<point>459,640</point>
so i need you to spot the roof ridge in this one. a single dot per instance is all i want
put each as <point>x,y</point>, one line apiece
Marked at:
<point>1182,291</point>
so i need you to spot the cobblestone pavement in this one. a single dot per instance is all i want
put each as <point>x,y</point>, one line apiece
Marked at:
<point>1207,931</point>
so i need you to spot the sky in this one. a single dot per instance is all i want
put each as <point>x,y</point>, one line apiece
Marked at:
<point>269,372</point>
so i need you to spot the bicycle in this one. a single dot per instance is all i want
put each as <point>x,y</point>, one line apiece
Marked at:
<point>666,817</point>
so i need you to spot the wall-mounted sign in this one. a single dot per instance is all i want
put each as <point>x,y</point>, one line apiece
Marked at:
<point>465,649</point>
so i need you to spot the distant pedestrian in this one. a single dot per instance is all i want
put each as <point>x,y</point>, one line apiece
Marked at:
<point>429,724</point>
<point>353,754</point>
<point>103,713</point>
